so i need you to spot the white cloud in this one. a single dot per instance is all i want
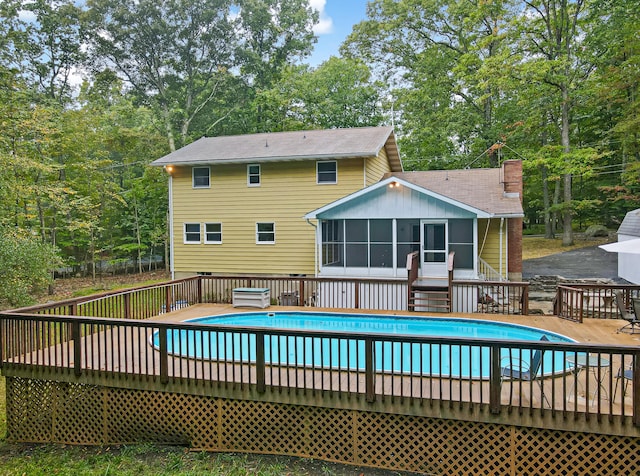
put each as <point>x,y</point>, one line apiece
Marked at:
<point>325,25</point>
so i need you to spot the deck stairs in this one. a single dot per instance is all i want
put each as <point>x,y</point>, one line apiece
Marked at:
<point>431,294</point>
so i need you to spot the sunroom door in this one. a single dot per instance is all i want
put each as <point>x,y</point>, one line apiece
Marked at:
<point>433,244</point>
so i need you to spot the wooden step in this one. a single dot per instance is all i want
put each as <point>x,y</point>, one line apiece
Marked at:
<point>432,299</point>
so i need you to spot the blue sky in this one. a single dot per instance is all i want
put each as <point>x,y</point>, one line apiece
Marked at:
<point>337,18</point>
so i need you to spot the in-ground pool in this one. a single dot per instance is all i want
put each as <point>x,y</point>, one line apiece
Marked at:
<point>428,359</point>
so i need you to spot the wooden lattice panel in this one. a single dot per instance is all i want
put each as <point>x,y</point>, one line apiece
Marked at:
<point>24,423</point>
<point>259,427</point>
<point>558,452</point>
<point>79,417</point>
<point>161,418</point>
<point>44,411</point>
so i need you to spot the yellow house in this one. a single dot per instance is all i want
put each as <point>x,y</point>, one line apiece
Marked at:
<point>336,203</point>
<point>236,203</point>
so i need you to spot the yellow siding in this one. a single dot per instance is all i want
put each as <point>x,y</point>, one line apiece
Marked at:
<point>491,250</point>
<point>287,192</point>
<point>376,167</point>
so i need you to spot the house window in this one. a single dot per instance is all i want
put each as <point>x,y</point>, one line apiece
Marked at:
<point>201,177</point>
<point>253,175</point>
<point>407,239</point>
<point>213,232</point>
<point>192,233</point>
<point>327,172</point>
<point>265,233</point>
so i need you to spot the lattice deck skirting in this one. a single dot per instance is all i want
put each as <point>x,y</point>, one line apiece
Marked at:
<point>40,411</point>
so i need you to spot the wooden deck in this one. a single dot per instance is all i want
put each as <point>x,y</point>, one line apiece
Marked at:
<point>124,356</point>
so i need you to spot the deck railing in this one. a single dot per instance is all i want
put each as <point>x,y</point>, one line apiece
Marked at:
<point>574,379</point>
<point>576,301</point>
<point>337,293</point>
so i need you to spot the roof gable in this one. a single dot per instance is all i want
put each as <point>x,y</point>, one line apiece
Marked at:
<point>283,146</point>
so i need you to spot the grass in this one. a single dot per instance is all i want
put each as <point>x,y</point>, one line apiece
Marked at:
<point>537,246</point>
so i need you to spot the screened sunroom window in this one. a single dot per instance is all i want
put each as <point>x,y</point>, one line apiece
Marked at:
<point>407,238</point>
<point>332,243</point>
<point>461,241</point>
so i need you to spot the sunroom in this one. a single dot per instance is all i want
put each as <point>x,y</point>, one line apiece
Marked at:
<point>370,233</point>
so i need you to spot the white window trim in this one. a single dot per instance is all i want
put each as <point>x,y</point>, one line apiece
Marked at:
<point>184,234</point>
<point>318,174</point>
<point>258,242</point>
<point>207,242</point>
<point>193,178</point>
<point>249,184</point>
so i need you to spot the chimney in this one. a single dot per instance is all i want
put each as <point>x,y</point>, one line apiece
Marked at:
<point>512,177</point>
<point>512,183</point>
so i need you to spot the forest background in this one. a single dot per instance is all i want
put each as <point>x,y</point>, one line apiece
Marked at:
<point>92,92</point>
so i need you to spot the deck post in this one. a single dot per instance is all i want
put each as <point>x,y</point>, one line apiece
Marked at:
<point>164,355</point>
<point>495,380</point>
<point>369,371</point>
<point>77,348</point>
<point>199,284</point>
<point>636,389</point>
<point>127,306</point>
<point>301,300</point>
<point>167,299</point>
<point>260,363</point>
<point>356,294</point>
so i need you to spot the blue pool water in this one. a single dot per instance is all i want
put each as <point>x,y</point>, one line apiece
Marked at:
<point>436,359</point>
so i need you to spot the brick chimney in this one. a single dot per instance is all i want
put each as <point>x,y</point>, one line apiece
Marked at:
<point>512,183</point>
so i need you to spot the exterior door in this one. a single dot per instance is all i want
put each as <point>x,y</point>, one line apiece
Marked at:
<point>433,248</point>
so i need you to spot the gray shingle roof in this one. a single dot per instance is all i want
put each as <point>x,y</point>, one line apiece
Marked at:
<point>478,188</point>
<point>283,146</point>
<point>631,224</point>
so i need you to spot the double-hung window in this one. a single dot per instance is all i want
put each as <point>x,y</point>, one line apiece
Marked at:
<point>201,177</point>
<point>213,233</point>
<point>327,172</point>
<point>265,233</point>
<point>253,175</point>
<point>191,233</point>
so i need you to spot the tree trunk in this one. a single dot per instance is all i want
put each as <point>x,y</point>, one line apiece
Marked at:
<point>567,212</point>
<point>556,201</point>
<point>549,231</point>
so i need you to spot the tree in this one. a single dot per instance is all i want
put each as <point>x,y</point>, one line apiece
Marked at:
<point>439,56</point>
<point>338,93</point>
<point>182,55</point>
<point>45,49</point>
<point>26,268</point>
<point>550,35</point>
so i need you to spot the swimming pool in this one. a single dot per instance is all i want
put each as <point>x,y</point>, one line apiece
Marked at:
<point>462,361</point>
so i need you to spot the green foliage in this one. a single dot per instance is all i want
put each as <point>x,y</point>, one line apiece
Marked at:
<point>26,268</point>
<point>338,93</point>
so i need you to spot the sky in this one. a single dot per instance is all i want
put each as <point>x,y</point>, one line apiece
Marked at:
<point>337,18</point>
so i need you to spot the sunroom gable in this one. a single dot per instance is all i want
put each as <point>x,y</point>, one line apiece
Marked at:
<point>397,198</point>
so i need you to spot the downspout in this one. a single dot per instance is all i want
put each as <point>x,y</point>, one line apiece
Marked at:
<point>315,249</point>
<point>171,238</point>
<point>501,250</point>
